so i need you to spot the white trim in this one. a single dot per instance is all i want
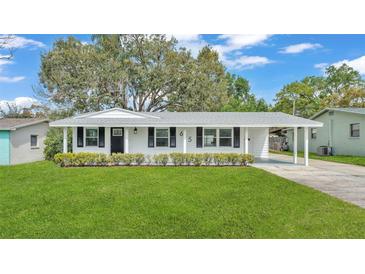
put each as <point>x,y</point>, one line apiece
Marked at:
<point>306,156</point>
<point>219,137</point>
<point>295,146</point>
<point>318,124</point>
<point>216,137</point>
<point>168,137</point>
<point>246,140</point>
<point>97,136</point>
<point>65,140</point>
<point>37,141</point>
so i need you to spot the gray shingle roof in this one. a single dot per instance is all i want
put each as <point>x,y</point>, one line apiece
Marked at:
<point>14,123</point>
<point>192,119</point>
<point>349,110</point>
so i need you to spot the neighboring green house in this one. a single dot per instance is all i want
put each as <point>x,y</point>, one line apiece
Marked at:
<point>343,130</point>
<point>21,140</point>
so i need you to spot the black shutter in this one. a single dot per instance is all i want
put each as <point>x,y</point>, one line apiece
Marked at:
<point>199,137</point>
<point>151,137</point>
<point>101,136</point>
<point>172,136</point>
<point>236,137</point>
<point>80,137</point>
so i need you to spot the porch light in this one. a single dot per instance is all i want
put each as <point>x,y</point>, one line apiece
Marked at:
<point>135,130</point>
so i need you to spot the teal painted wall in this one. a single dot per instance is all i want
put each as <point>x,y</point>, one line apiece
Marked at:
<point>4,147</point>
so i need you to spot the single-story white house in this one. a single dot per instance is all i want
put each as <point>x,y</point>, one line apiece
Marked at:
<point>120,130</point>
<point>343,130</point>
<point>22,140</point>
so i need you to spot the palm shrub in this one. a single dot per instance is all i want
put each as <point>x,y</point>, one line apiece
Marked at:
<point>161,159</point>
<point>177,158</point>
<point>198,159</point>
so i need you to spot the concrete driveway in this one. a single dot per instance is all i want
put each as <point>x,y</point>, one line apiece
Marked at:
<point>346,182</point>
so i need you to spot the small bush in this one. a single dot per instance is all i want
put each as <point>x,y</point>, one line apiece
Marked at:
<point>177,158</point>
<point>101,159</point>
<point>198,159</point>
<point>139,158</point>
<point>148,159</point>
<point>233,158</point>
<point>220,158</point>
<point>188,158</point>
<point>161,159</point>
<point>53,143</point>
<point>246,159</point>
<point>207,158</point>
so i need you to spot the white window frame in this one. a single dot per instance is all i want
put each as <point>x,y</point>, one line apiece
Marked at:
<point>316,132</point>
<point>121,129</point>
<point>219,137</point>
<point>351,130</point>
<point>37,144</point>
<point>216,137</point>
<point>168,136</point>
<point>97,136</point>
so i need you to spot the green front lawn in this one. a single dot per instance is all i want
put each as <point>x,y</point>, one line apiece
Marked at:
<point>41,200</point>
<point>345,159</point>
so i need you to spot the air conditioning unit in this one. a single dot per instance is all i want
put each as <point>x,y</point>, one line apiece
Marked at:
<point>324,151</point>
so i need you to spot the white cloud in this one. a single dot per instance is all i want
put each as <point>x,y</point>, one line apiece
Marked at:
<point>357,64</point>
<point>192,42</point>
<point>21,42</point>
<point>298,48</point>
<point>229,49</point>
<point>247,62</point>
<point>321,66</point>
<point>21,102</point>
<point>6,79</point>
<point>235,42</point>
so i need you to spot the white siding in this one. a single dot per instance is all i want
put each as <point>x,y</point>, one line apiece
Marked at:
<point>105,149</point>
<point>20,150</point>
<point>258,144</point>
<point>342,143</point>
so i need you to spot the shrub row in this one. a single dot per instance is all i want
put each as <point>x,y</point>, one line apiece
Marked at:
<point>176,158</point>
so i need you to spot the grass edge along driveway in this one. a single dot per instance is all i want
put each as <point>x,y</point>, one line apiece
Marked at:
<point>344,159</point>
<point>41,200</point>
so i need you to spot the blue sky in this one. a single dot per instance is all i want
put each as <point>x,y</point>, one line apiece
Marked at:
<point>267,61</point>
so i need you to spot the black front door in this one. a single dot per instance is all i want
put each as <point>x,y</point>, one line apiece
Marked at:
<point>117,139</point>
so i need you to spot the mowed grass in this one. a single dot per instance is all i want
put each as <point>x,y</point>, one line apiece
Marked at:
<point>344,159</point>
<point>41,200</point>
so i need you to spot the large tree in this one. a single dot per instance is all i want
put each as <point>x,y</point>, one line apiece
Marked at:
<point>140,72</point>
<point>242,99</point>
<point>301,98</point>
<point>340,87</point>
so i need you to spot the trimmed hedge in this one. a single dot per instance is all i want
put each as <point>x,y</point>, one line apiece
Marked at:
<point>176,158</point>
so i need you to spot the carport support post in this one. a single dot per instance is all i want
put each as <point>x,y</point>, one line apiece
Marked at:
<point>306,162</point>
<point>65,140</point>
<point>295,146</point>
<point>184,140</point>
<point>126,140</point>
<point>246,140</point>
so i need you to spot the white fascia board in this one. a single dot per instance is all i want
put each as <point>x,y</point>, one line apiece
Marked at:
<point>187,126</point>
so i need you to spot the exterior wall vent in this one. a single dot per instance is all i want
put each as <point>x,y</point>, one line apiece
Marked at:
<point>331,113</point>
